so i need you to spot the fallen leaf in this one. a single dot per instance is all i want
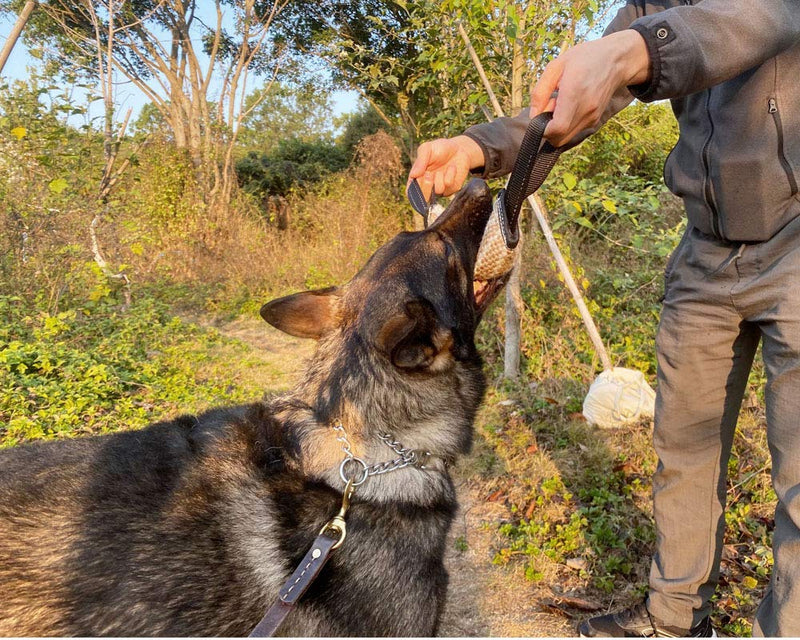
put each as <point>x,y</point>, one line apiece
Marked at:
<point>58,185</point>
<point>626,467</point>
<point>580,603</point>
<point>729,552</point>
<point>529,511</point>
<point>551,607</point>
<point>749,582</point>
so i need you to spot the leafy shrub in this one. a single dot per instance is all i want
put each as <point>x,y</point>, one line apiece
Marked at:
<point>93,369</point>
<point>293,164</point>
<point>364,122</point>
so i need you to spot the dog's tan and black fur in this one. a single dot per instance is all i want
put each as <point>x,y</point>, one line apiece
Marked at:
<point>189,527</point>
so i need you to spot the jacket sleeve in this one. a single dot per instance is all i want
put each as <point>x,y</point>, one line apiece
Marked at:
<point>694,47</point>
<point>500,139</point>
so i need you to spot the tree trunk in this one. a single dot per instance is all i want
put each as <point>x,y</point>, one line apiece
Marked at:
<point>16,31</point>
<point>511,357</point>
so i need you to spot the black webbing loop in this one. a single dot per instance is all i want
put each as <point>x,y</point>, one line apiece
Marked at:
<point>417,200</point>
<point>534,163</point>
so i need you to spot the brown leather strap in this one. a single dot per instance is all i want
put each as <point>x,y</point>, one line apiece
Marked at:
<point>297,584</point>
<point>273,619</point>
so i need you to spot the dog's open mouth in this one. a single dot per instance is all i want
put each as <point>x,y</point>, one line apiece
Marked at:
<point>485,291</point>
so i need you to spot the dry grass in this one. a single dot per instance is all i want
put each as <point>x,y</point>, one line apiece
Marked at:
<point>333,230</point>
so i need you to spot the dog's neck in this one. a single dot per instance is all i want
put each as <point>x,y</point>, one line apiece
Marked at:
<point>349,385</point>
<point>317,451</point>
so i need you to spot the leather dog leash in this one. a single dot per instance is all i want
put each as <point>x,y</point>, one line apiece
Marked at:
<point>535,160</point>
<point>297,584</point>
<point>354,472</point>
<point>310,566</point>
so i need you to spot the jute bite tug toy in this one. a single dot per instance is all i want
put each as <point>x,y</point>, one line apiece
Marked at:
<point>500,238</point>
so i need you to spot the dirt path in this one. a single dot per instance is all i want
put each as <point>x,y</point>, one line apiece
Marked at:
<point>483,599</point>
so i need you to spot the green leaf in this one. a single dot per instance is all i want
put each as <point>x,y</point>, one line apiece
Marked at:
<point>58,185</point>
<point>569,180</point>
<point>511,31</point>
<point>584,222</point>
<point>19,132</point>
<point>749,582</point>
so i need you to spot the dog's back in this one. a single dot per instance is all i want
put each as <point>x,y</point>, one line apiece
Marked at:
<point>137,532</point>
<point>188,528</point>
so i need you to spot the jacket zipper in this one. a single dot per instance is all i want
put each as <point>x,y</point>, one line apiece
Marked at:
<point>773,109</point>
<point>707,189</point>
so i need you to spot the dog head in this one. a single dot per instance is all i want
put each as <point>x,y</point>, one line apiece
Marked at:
<point>407,320</point>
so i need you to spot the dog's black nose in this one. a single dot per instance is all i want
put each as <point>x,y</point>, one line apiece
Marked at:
<point>478,189</point>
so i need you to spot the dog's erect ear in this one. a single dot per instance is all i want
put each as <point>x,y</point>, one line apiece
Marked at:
<point>309,314</point>
<point>411,339</point>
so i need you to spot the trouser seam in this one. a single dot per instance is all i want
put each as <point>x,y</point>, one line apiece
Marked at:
<point>713,523</point>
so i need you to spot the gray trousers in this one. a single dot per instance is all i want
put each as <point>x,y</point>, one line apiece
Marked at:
<point>720,300</point>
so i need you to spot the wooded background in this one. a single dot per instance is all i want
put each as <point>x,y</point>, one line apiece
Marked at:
<point>235,183</point>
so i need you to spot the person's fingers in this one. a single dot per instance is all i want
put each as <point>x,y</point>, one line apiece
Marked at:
<point>424,153</point>
<point>426,184</point>
<point>438,183</point>
<point>450,180</point>
<point>563,122</point>
<point>542,91</point>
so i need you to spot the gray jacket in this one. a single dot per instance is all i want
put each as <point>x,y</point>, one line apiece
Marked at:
<point>731,69</point>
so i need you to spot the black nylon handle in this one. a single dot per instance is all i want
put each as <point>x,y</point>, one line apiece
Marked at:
<point>533,165</point>
<point>417,200</point>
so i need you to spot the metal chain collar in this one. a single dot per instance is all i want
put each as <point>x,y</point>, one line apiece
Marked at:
<point>407,457</point>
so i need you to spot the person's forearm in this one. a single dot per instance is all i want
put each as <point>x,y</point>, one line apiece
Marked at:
<point>499,141</point>
<point>624,53</point>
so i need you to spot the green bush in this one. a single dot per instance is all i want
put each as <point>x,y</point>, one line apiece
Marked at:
<point>293,164</point>
<point>94,369</point>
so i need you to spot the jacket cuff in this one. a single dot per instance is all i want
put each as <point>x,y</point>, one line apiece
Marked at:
<point>670,45</point>
<point>481,172</point>
<point>646,91</point>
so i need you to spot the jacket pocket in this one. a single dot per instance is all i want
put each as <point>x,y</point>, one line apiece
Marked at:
<point>772,106</point>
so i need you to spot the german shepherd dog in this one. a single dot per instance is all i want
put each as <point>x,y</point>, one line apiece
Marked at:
<point>190,527</point>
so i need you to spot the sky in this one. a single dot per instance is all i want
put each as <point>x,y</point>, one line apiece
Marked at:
<point>127,95</point>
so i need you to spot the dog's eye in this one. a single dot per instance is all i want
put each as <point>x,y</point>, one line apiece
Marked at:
<point>448,250</point>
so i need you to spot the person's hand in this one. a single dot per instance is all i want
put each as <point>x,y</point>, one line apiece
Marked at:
<point>442,165</point>
<point>586,77</point>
